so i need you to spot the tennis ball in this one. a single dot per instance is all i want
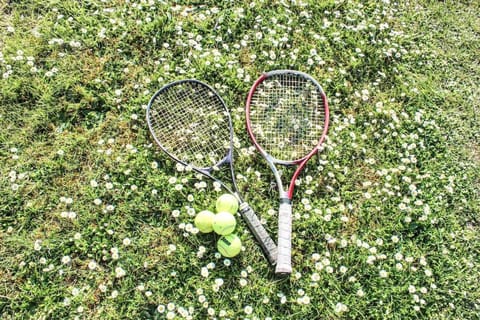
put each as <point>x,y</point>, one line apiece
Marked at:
<point>204,220</point>
<point>224,223</point>
<point>227,203</point>
<point>229,246</point>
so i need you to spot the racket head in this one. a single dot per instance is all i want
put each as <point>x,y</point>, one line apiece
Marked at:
<point>287,116</point>
<point>191,123</point>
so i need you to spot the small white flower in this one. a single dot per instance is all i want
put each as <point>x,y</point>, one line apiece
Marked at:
<point>119,272</point>
<point>383,274</point>
<point>248,310</point>
<point>127,241</point>
<point>340,307</point>
<point>37,246</point>
<point>75,291</point>
<point>423,261</point>
<point>92,265</point>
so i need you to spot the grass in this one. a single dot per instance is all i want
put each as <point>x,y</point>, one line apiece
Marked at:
<point>96,223</point>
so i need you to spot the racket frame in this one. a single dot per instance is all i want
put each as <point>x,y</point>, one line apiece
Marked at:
<point>285,196</point>
<point>268,246</point>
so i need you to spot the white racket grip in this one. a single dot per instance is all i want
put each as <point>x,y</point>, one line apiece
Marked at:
<point>263,238</point>
<point>284,258</point>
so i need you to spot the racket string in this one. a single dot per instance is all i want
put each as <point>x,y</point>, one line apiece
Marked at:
<point>287,116</point>
<point>190,122</point>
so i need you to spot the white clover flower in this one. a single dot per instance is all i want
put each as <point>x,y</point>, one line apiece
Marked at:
<point>383,274</point>
<point>119,272</point>
<point>248,310</point>
<point>340,307</point>
<point>423,261</point>
<point>75,291</point>
<point>161,308</point>
<point>37,246</point>
<point>92,265</point>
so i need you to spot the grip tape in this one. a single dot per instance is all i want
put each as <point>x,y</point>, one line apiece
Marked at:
<point>263,238</point>
<point>284,258</point>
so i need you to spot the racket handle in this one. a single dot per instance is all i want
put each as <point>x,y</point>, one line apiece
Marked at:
<point>266,243</point>
<point>284,258</point>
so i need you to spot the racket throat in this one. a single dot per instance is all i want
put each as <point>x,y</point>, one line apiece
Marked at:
<point>284,198</point>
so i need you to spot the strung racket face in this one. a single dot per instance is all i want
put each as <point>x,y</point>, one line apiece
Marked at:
<point>190,122</point>
<point>287,115</point>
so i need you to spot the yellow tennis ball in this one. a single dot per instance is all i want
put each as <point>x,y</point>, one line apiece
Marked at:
<point>204,220</point>
<point>224,223</point>
<point>227,203</point>
<point>229,246</point>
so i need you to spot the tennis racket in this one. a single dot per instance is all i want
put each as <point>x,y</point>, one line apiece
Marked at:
<point>191,123</point>
<point>287,120</point>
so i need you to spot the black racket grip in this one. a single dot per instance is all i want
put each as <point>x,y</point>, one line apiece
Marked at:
<point>263,238</point>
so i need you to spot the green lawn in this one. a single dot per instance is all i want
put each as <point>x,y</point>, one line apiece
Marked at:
<point>96,222</point>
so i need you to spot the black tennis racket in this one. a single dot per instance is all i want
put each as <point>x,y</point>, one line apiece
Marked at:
<point>191,123</point>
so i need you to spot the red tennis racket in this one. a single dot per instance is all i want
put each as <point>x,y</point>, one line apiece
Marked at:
<point>287,120</point>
